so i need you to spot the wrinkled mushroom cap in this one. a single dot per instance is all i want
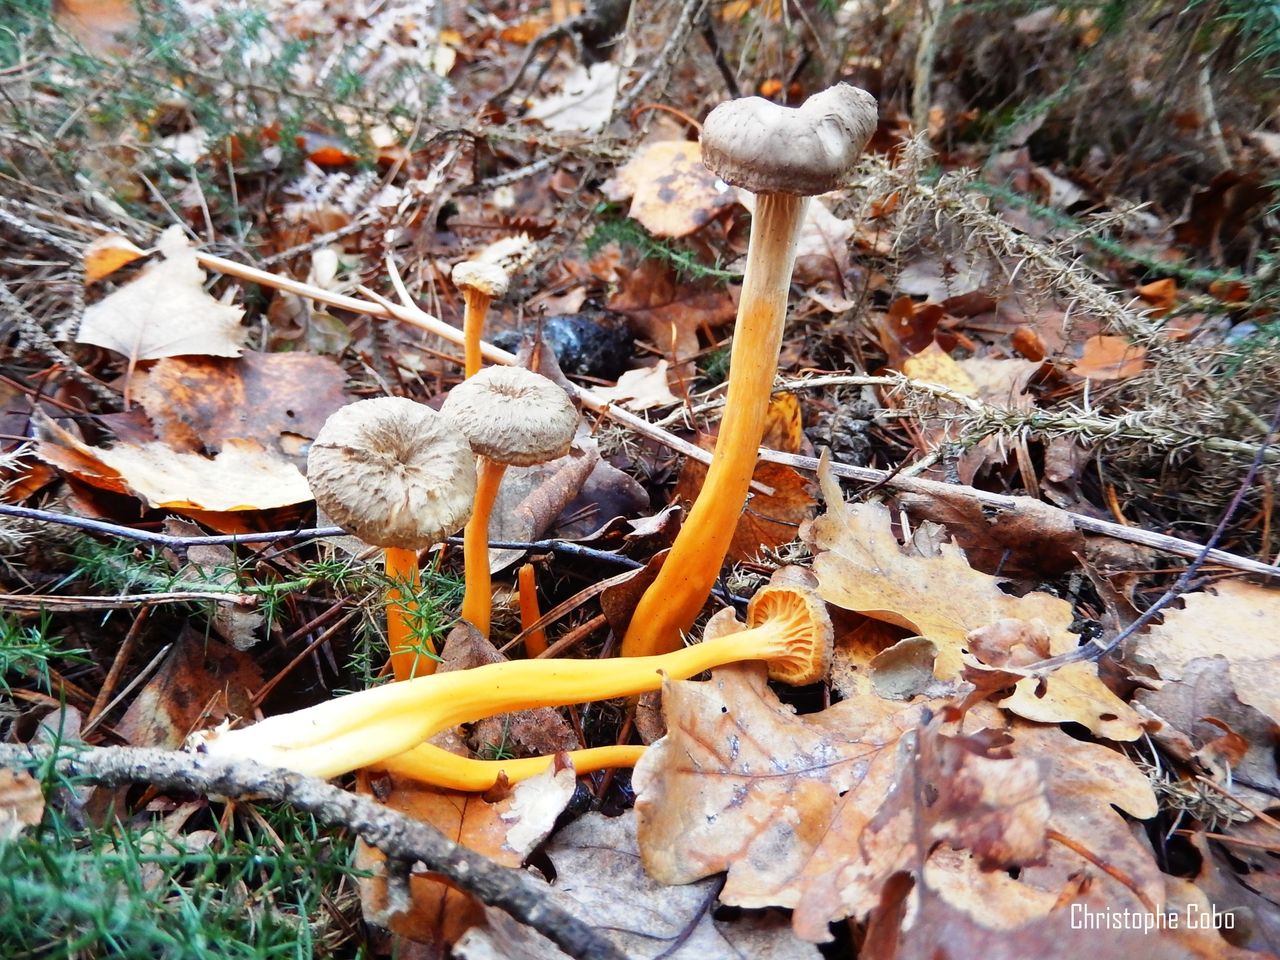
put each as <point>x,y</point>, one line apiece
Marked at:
<point>393,472</point>
<point>810,637</point>
<point>513,416</point>
<point>760,146</point>
<point>489,278</point>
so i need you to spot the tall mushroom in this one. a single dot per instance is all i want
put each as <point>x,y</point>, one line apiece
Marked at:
<point>387,726</point>
<point>513,417</point>
<point>783,155</point>
<point>400,476</point>
<point>479,281</point>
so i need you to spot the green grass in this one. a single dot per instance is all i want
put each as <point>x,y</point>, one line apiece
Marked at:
<point>629,235</point>
<point>28,651</point>
<point>264,888</point>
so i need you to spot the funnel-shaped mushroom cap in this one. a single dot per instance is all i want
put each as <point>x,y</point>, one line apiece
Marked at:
<point>489,278</point>
<point>513,416</point>
<point>802,615</point>
<point>393,472</point>
<point>766,148</point>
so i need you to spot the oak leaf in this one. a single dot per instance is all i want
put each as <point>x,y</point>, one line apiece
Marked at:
<point>861,566</point>
<point>672,193</point>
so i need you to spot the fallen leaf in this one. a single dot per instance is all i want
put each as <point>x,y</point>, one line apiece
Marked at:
<point>200,683</point>
<point>107,254</point>
<point>431,911</point>
<point>1110,358</point>
<point>102,27</point>
<point>1233,620</point>
<point>935,365</point>
<point>243,476</point>
<point>279,400</point>
<point>600,879</point>
<point>861,566</point>
<point>21,803</point>
<point>800,812</point>
<point>585,101</point>
<point>668,312</point>
<point>906,328</point>
<point>165,312</point>
<point>673,193</point>
<point>640,389</point>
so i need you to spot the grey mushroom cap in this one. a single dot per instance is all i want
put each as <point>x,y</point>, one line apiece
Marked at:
<point>513,416</point>
<point>760,146</point>
<point>393,472</point>
<point>489,278</point>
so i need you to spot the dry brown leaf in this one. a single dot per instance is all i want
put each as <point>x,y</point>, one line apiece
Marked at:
<point>1110,358</point>
<point>672,193</point>
<point>668,312</point>
<point>102,27</point>
<point>935,365</point>
<point>277,399</point>
<point>861,566</point>
<point>431,911</point>
<point>798,810</point>
<point>107,254</point>
<point>244,476</point>
<point>599,878</point>
<point>1234,620</point>
<point>200,683</point>
<point>165,312</point>
<point>236,623</point>
<point>21,803</point>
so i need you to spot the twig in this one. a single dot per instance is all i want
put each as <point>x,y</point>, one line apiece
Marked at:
<point>689,14</point>
<point>399,837</point>
<point>1095,650</point>
<point>35,602</point>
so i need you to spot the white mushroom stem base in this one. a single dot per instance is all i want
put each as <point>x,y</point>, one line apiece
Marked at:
<point>671,604</point>
<point>477,601</point>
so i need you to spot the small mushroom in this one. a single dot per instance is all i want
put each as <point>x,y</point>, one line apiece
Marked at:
<point>480,281</point>
<point>783,155</point>
<point>388,726</point>
<point>513,417</point>
<point>400,476</point>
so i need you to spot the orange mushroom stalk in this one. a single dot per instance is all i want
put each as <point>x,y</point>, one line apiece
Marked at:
<point>400,476</point>
<point>479,282</point>
<point>782,155</point>
<point>788,628</point>
<point>511,416</point>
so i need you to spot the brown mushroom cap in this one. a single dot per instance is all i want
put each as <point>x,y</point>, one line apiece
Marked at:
<point>489,278</point>
<point>393,472</point>
<point>513,416</point>
<point>802,614</point>
<point>760,146</point>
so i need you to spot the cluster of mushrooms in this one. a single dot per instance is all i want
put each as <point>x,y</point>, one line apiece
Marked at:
<point>403,477</point>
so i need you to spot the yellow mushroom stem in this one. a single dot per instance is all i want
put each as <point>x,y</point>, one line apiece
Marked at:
<point>473,317</point>
<point>671,604</point>
<point>366,728</point>
<point>408,648</point>
<point>477,598</point>
<point>429,764</point>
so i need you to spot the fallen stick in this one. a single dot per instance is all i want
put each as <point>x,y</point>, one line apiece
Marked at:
<point>399,837</point>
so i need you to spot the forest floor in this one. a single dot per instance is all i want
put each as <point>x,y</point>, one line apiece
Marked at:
<point>1019,454</point>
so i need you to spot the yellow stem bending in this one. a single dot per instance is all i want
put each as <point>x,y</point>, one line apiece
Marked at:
<point>366,728</point>
<point>477,600</point>
<point>408,650</point>
<point>441,768</point>
<point>671,604</point>
<point>473,317</point>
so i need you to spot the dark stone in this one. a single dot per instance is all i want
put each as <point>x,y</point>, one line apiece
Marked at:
<point>593,343</point>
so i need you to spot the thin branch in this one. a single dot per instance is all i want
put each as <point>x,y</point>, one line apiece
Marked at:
<point>402,839</point>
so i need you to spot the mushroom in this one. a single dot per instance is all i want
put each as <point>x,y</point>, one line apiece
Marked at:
<point>513,417</point>
<point>400,476</point>
<point>788,628</point>
<point>783,155</point>
<point>480,281</point>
